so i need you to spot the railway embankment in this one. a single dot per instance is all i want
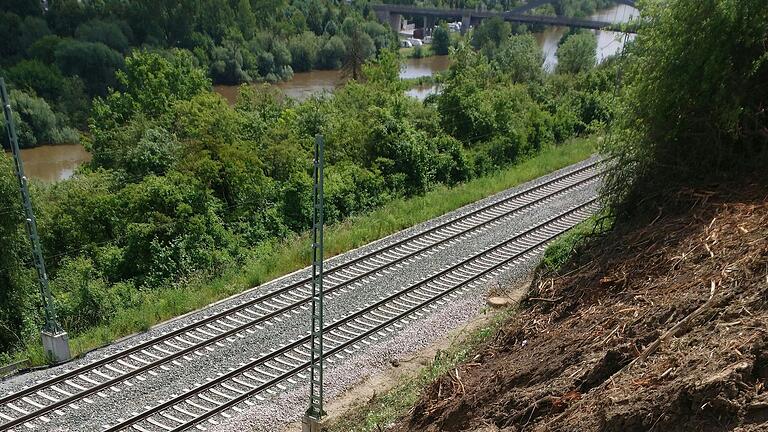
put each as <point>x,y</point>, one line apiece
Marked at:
<point>659,326</point>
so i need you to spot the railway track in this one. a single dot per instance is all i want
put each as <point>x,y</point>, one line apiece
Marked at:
<point>233,391</point>
<point>33,405</point>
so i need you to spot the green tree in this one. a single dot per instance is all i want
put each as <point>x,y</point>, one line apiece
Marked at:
<point>44,49</point>
<point>578,54</point>
<point>384,70</point>
<point>332,53</point>
<point>44,80</point>
<point>17,301</point>
<point>520,58</point>
<point>441,39</point>
<point>94,62</point>
<point>36,122</point>
<point>10,29</point>
<point>490,34</point>
<point>360,47</point>
<point>32,29</point>
<point>151,84</point>
<point>246,20</point>
<point>22,7</point>
<point>304,49</point>
<point>105,32</point>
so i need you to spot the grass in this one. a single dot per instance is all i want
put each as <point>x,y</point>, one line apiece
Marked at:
<point>280,258</point>
<point>395,403</point>
<point>422,81</point>
<point>426,51</point>
<point>561,250</point>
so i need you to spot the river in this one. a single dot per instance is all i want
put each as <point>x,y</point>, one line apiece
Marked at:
<point>305,84</point>
<point>53,163</point>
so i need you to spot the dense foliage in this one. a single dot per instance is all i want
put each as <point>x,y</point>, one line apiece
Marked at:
<point>183,185</point>
<point>693,109</point>
<point>76,49</point>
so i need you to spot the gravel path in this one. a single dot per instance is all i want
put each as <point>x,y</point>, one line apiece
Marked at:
<point>135,395</point>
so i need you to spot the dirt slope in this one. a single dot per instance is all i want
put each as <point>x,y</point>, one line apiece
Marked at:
<point>573,360</point>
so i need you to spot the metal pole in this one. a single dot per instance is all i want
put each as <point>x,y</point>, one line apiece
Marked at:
<point>51,329</point>
<point>315,410</point>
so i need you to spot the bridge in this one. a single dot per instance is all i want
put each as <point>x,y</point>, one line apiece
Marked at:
<point>533,4</point>
<point>392,14</point>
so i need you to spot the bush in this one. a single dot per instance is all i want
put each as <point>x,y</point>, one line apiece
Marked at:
<point>694,105</point>
<point>44,80</point>
<point>304,49</point>
<point>520,58</point>
<point>578,54</point>
<point>94,62</point>
<point>332,54</point>
<point>18,308</point>
<point>441,40</point>
<point>36,123</point>
<point>105,32</point>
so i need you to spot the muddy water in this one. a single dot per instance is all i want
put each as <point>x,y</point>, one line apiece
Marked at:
<point>305,84</point>
<point>53,162</point>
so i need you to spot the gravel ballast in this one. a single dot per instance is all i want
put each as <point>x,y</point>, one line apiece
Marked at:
<point>343,373</point>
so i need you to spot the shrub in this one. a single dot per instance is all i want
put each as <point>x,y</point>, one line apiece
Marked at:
<point>694,105</point>
<point>36,123</point>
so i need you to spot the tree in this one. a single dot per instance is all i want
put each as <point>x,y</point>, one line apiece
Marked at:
<point>490,34</point>
<point>441,39</point>
<point>22,7</point>
<point>17,306</point>
<point>10,29</point>
<point>359,48</point>
<point>42,79</point>
<point>578,54</point>
<point>332,53</point>
<point>384,70</point>
<point>32,29</point>
<point>520,58</point>
<point>304,49</point>
<point>105,32</point>
<point>44,49</point>
<point>94,62</point>
<point>36,122</point>
<point>246,20</point>
<point>151,85</point>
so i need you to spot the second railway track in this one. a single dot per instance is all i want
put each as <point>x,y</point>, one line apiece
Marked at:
<point>34,404</point>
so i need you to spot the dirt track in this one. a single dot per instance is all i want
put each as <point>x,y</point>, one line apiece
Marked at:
<point>631,336</point>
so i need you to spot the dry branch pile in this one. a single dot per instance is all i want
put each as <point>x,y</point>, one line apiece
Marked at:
<point>663,328</point>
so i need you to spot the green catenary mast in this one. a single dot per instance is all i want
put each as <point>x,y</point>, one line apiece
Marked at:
<point>315,411</point>
<point>54,337</point>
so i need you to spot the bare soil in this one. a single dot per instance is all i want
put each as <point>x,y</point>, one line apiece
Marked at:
<point>662,327</point>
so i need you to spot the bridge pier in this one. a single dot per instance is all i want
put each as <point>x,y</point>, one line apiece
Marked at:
<point>466,21</point>
<point>429,25</point>
<point>393,19</point>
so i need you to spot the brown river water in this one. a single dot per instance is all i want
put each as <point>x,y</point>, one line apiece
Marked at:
<point>54,163</point>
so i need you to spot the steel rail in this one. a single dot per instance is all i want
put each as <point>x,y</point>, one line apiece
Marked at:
<point>147,366</point>
<point>578,211</point>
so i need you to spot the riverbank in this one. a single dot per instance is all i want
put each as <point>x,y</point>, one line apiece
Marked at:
<point>277,259</point>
